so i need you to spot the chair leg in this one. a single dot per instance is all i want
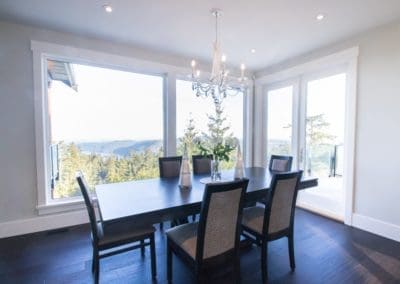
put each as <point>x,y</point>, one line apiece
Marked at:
<point>153,257</point>
<point>236,270</point>
<point>291,252</point>
<point>96,265</point>
<point>93,260</point>
<point>264,261</point>
<point>169,263</point>
<point>142,247</point>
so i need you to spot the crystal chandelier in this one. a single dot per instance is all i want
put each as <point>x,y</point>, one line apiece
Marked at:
<point>218,85</point>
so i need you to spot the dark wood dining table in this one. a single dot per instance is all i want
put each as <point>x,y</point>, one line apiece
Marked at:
<point>152,201</point>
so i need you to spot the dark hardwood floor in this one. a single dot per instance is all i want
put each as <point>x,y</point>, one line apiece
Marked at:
<point>326,252</point>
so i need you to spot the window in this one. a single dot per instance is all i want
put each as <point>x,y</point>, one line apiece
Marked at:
<point>105,122</point>
<point>111,124</point>
<point>280,121</point>
<point>192,118</point>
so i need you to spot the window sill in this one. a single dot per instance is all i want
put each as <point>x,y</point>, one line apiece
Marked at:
<point>62,206</point>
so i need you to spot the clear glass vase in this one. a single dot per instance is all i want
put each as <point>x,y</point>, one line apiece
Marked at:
<point>215,170</point>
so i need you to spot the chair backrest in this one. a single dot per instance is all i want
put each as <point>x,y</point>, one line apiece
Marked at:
<point>281,202</point>
<point>279,163</point>
<point>169,166</point>
<point>201,164</point>
<point>89,205</point>
<point>220,219</point>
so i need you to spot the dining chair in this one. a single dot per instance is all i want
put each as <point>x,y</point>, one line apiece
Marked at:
<point>115,238</point>
<point>201,164</point>
<point>213,242</point>
<point>169,166</point>
<point>279,163</point>
<point>275,220</point>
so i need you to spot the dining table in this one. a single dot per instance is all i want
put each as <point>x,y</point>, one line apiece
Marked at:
<point>151,201</point>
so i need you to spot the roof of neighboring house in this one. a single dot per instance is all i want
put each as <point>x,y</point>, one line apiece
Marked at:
<point>62,71</point>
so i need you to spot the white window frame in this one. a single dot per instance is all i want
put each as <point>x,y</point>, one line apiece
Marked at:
<point>347,59</point>
<point>295,84</point>
<point>42,51</point>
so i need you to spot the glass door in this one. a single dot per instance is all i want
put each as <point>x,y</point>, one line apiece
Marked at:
<point>280,123</point>
<point>322,143</point>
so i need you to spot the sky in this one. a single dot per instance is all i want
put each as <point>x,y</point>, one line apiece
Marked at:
<point>118,105</point>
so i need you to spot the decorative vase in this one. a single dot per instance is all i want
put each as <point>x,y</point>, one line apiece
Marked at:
<point>239,169</point>
<point>215,170</point>
<point>185,177</point>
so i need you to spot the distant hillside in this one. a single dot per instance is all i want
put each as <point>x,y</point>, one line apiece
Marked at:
<point>120,148</point>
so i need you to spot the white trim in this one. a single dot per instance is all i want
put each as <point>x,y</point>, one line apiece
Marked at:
<point>311,66</point>
<point>62,206</point>
<point>42,223</point>
<point>258,137</point>
<point>103,59</point>
<point>375,226</point>
<point>248,125</point>
<point>169,106</point>
<point>350,140</point>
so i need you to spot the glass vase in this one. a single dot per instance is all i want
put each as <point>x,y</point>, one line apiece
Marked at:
<point>216,170</point>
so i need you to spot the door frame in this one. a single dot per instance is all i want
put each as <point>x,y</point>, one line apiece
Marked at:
<point>349,60</point>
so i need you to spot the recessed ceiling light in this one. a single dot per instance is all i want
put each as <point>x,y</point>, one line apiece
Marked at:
<point>107,8</point>
<point>253,50</point>
<point>320,17</point>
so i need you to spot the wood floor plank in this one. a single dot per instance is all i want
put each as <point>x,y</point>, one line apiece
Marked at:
<point>326,252</point>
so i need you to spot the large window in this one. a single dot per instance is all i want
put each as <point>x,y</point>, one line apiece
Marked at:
<point>96,113</point>
<point>193,123</point>
<point>105,122</point>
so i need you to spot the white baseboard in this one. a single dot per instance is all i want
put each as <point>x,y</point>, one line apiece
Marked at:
<point>43,223</point>
<point>377,227</point>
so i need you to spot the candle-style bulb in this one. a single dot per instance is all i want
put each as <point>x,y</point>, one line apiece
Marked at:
<point>223,58</point>
<point>193,63</point>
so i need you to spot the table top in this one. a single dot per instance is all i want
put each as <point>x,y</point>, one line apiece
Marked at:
<point>161,199</point>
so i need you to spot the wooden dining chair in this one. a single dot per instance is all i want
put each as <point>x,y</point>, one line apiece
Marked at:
<point>169,166</point>
<point>275,220</point>
<point>115,238</point>
<point>201,164</point>
<point>213,242</point>
<point>278,163</point>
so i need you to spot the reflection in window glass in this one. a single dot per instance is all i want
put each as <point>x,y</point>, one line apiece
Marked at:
<point>279,121</point>
<point>105,122</point>
<point>192,117</point>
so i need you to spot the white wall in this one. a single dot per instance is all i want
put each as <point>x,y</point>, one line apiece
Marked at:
<point>377,178</point>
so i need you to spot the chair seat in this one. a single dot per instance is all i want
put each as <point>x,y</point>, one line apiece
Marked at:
<point>253,218</point>
<point>116,234</point>
<point>185,236</point>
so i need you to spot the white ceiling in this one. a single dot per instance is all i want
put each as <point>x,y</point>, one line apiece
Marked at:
<point>277,29</point>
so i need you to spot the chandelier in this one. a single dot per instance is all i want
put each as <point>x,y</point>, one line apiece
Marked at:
<point>219,85</point>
